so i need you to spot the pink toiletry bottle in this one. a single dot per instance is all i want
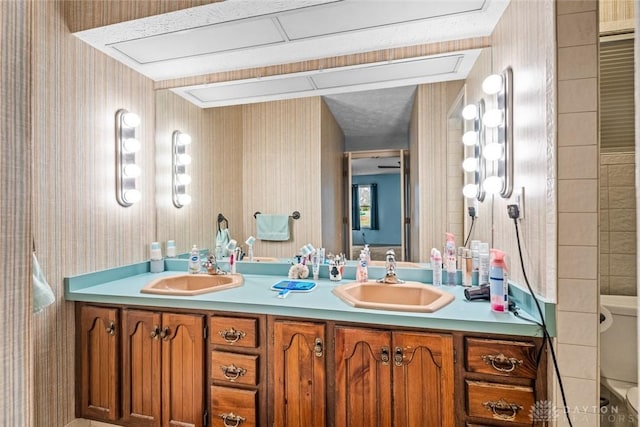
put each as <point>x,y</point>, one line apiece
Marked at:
<point>499,288</point>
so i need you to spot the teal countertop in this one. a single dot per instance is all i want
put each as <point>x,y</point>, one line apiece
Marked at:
<point>122,286</point>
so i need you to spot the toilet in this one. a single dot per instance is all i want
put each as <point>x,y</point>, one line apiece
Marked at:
<point>619,351</point>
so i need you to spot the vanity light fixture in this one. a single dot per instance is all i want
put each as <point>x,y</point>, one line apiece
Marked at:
<point>180,161</point>
<point>473,139</point>
<point>498,122</point>
<point>127,171</point>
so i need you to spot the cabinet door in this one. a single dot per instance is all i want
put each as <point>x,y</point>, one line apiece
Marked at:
<point>423,379</point>
<point>99,363</point>
<point>363,377</point>
<point>182,370</point>
<point>141,367</point>
<point>299,372</point>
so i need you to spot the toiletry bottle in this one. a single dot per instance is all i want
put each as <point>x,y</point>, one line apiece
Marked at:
<point>436,267</point>
<point>156,263</point>
<point>467,267</point>
<point>483,263</point>
<point>194,260</point>
<point>171,248</point>
<point>499,289</point>
<point>218,252</point>
<point>475,254</point>
<point>362,273</point>
<point>450,259</point>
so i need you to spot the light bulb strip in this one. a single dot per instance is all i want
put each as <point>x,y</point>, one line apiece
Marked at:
<point>505,165</point>
<point>178,189</point>
<point>125,185</point>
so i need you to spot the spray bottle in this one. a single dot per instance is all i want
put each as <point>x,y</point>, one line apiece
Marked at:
<point>499,288</point>
<point>436,267</point>
<point>450,259</point>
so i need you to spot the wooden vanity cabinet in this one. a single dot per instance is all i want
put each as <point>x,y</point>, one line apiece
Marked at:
<point>98,347</point>
<point>155,358</point>
<point>393,378</point>
<point>237,379</point>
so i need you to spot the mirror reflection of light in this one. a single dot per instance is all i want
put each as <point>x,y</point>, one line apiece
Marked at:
<point>493,151</point>
<point>131,145</point>
<point>470,164</point>
<point>492,84</point>
<point>184,139</point>
<point>131,171</point>
<point>470,112</point>
<point>493,118</point>
<point>470,138</point>
<point>184,199</point>
<point>470,191</point>
<point>493,184</point>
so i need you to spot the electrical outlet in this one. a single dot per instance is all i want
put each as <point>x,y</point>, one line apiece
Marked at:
<point>518,199</point>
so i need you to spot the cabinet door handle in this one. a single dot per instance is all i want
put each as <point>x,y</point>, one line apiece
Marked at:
<point>111,329</point>
<point>164,334</point>
<point>155,332</point>
<point>318,348</point>
<point>231,335</point>
<point>384,355</point>
<point>503,410</point>
<point>501,363</point>
<point>398,357</point>
<point>232,372</point>
<point>231,419</point>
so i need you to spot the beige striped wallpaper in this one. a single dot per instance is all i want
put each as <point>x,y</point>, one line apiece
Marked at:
<point>77,223</point>
<point>16,355</point>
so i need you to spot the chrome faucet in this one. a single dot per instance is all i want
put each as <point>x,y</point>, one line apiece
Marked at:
<point>390,266</point>
<point>211,265</point>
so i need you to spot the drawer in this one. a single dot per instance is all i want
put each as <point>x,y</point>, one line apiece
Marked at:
<point>507,403</point>
<point>501,357</point>
<point>234,368</point>
<point>235,331</point>
<point>233,407</point>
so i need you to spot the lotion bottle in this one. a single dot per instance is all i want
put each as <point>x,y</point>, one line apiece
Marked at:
<point>436,267</point>
<point>450,259</point>
<point>362,272</point>
<point>194,260</point>
<point>483,263</point>
<point>499,289</point>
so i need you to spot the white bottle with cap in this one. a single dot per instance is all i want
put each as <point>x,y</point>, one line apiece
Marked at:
<point>156,263</point>
<point>194,260</point>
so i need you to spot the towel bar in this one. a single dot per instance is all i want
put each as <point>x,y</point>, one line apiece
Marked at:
<point>294,215</point>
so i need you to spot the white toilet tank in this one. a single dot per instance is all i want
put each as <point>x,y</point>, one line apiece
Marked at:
<point>619,338</point>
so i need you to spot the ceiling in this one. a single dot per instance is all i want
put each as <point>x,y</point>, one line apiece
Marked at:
<point>243,34</point>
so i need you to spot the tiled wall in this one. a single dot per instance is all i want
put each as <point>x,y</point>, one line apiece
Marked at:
<point>578,146</point>
<point>16,344</point>
<point>617,224</point>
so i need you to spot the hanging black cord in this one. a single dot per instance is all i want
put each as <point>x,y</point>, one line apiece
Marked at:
<point>547,337</point>
<point>473,221</point>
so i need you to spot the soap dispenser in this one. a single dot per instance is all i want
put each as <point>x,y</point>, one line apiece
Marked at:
<point>194,260</point>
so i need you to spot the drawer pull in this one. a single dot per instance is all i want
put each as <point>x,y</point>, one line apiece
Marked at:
<point>232,372</point>
<point>165,334</point>
<point>111,329</point>
<point>231,335</point>
<point>501,363</point>
<point>502,409</point>
<point>318,348</point>
<point>155,332</point>
<point>232,420</point>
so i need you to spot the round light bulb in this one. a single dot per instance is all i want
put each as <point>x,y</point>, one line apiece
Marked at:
<point>184,139</point>
<point>132,195</point>
<point>131,171</point>
<point>470,191</point>
<point>131,145</point>
<point>470,112</point>
<point>470,164</point>
<point>492,184</point>
<point>493,118</point>
<point>470,138</point>
<point>130,120</point>
<point>183,179</point>
<point>492,84</point>
<point>492,152</point>
<point>183,159</point>
<point>184,199</point>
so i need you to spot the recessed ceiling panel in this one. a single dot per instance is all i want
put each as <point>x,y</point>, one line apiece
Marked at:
<point>362,14</point>
<point>200,41</point>
<point>252,89</point>
<point>388,71</point>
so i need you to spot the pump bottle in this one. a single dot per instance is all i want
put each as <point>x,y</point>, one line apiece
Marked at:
<point>194,260</point>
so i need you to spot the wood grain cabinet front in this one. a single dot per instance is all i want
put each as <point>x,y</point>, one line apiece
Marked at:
<point>501,357</point>
<point>232,407</point>
<point>501,402</point>
<point>234,368</point>
<point>234,331</point>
